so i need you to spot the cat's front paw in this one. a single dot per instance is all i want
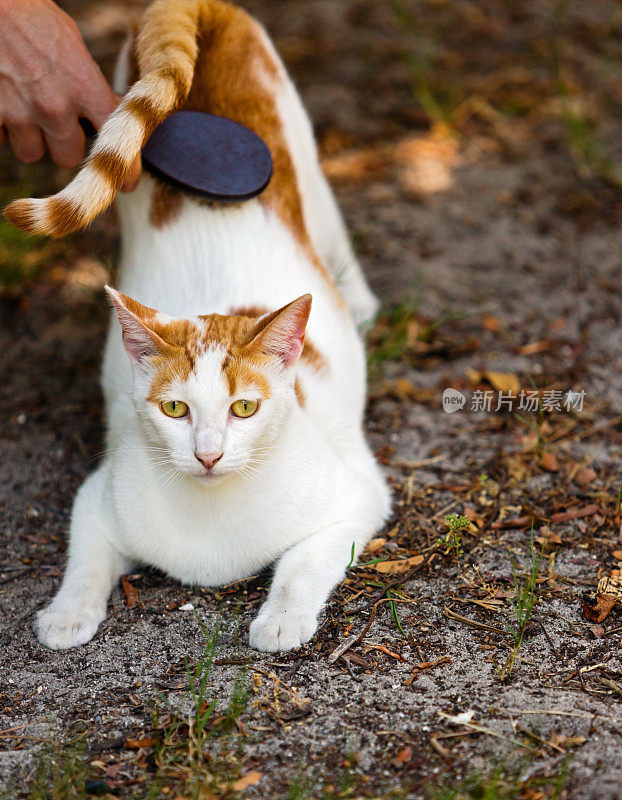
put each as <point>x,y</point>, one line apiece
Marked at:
<point>276,629</point>
<point>61,626</point>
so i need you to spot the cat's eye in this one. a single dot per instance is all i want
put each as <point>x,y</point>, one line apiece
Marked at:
<point>174,408</point>
<point>244,408</point>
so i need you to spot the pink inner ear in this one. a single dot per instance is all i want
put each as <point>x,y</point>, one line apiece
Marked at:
<point>285,334</point>
<point>138,343</point>
<point>295,349</point>
<point>138,340</point>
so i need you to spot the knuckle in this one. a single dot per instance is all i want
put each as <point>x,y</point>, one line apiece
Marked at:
<point>53,110</point>
<point>17,119</point>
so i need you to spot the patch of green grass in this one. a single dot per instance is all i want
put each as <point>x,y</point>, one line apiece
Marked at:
<point>580,129</point>
<point>393,610</point>
<point>398,332</point>
<point>197,754</point>
<point>61,773</point>
<point>345,783</point>
<point>21,254</point>
<point>502,784</point>
<point>390,337</point>
<point>301,786</point>
<point>525,587</point>
<point>537,425</point>
<point>436,91</point>
<point>185,743</point>
<point>453,539</point>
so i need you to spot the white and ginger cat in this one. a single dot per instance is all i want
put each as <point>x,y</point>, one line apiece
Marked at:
<point>234,437</point>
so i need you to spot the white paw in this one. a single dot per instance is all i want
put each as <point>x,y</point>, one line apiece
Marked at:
<point>67,625</point>
<point>276,629</point>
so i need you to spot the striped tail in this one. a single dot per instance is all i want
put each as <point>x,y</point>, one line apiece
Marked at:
<point>167,52</point>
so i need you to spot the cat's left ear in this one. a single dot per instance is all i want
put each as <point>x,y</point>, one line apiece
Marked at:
<point>140,341</point>
<point>282,333</point>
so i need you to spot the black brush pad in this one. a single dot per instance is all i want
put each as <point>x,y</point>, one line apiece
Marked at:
<point>210,156</point>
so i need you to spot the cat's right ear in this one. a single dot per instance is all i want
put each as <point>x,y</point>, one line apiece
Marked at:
<point>139,340</point>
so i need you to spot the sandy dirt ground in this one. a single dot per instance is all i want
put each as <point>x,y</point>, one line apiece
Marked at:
<point>473,149</point>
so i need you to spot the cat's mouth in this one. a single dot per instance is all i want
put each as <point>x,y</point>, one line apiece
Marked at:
<point>210,476</point>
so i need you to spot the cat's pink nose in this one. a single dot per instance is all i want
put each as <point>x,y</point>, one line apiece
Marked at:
<point>208,459</point>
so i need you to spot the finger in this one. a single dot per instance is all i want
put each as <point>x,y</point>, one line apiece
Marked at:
<point>133,175</point>
<point>26,142</point>
<point>100,104</point>
<point>66,143</point>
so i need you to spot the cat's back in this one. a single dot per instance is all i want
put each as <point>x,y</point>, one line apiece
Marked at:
<point>256,252</point>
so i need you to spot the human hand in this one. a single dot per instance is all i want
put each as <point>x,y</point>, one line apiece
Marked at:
<point>48,81</point>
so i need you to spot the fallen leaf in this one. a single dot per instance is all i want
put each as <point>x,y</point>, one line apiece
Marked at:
<point>491,323</point>
<point>516,469</point>
<point>113,771</point>
<point>584,476</point>
<point>517,523</point>
<point>617,554</point>
<point>534,347</point>
<point>376,544</point>
<point>425,165</point>
<point>139,744</point>
<point>549,462</point>
<point>403,756</point>
<point>564,740</point>
<point>601,610</point>
<point>354,165</point>
<point>529,441</point>
<point>403,389</point>
<point>548,537</point>
<point>250,779</point>
<point>473,516</point>
<point>130,592</point>
<point>384,453</point>
<point>501,381</point>
<point>393,567</point>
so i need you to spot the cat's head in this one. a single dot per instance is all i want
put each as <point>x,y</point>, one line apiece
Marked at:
<point>212,392</point>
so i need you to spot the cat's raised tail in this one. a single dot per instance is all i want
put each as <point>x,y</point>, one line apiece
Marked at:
<point>167,52</point>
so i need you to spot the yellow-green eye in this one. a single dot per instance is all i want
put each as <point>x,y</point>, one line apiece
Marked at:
<point>244,408</point>
<point>174,408</point>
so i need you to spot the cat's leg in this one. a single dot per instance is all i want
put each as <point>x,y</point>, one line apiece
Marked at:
<point>93,567</point>
<point>307,573</point>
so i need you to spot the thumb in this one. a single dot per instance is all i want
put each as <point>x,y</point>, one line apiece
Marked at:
<point>133,175</point>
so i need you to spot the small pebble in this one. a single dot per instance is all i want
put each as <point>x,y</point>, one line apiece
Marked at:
<point>186,607</point>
